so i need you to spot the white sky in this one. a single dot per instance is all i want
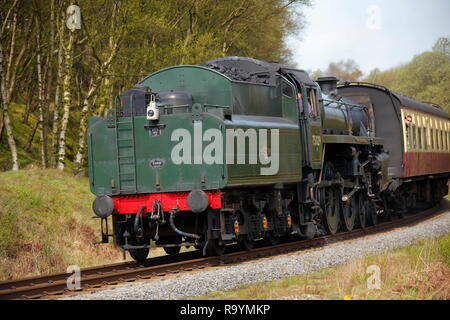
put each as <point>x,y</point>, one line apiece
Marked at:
<point>375,33</point>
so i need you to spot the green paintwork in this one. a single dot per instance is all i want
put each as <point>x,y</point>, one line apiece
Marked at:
<point>147,148</point>
<point>121,150</point>
<point>311,127</point>
<point>289,152</point>
<point>335,118</point>
<point>205,85</point>
<point>126,157</point>
<point>334,138</point>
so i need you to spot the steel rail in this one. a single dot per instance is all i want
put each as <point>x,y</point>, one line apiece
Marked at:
<point>153,268</point>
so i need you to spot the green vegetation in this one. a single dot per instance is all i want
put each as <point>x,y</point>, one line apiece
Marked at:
<point>30,158</point>
<point>46,224</point>
<point>51,73</point>
<point>421,271</point>
<point>426,78</point>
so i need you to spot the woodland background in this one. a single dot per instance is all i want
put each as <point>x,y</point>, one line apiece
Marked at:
<point>53,79</point>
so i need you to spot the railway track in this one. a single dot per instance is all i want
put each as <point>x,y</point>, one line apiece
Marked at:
<point>55,285</point>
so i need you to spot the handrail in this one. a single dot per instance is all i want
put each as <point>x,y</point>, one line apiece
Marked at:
<point>341,103</point>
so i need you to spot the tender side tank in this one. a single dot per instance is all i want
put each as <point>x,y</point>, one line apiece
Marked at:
<point>129,154</point>
<point>201,113</point>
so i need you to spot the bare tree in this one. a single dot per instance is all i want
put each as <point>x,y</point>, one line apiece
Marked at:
<point>6,119</point>
<point>41,102</point>
<point>67,98</point>
<point>6,84</point>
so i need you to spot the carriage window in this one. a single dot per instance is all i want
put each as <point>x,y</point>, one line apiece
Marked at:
<point>414,138</point>
<point>425,140</point>
<point>445,140</point>
<point>438,142</point>
<point>432,138</point>
<point>409,137</point>
<point>448,140</point>
<point>419,137</point>
<point>438,146</point>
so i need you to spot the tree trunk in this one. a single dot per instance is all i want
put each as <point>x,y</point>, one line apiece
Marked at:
<point>79,159</point>
<point>6,120</point>
<point>30,140</point>
<point>42,121</point>
<point>67,99</point>
<point>2,126</point>
<point>59,78</point>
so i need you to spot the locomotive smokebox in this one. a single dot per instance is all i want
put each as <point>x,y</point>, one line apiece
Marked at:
<point>328,85</point>
<point>103,206</point>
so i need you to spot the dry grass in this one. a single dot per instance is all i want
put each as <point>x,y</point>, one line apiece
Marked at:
<point>421,272</point>
<point>46,224</point>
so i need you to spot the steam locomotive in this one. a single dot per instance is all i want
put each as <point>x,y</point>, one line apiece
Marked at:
<point>237,150</point>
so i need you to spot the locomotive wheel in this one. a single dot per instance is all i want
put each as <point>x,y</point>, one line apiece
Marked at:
<point>139,254</point>
<point>271,239</point>
<point>387,209</point>
<point>308,230</point>
<point>362,210</point>
<point>331,210</point>
<point>349,213</point>
<point>172,240</point>
<point>214,248</point>
<point>329,202</point>
<point>403,207</point>
<point>172,250</point>
<point>246,243</point>
<point>372,213</point>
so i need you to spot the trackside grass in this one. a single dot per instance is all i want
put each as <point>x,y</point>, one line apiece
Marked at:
<point>421,271</point>
<point>46,224</point>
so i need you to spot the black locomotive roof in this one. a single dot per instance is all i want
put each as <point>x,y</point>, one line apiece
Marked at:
<point>405,101</point>
<point>253,70</point>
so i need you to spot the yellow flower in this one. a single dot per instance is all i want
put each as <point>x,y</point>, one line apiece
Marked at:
<point>347,298</point>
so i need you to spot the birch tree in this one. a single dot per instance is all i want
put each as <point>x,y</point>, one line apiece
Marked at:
<point>59,80</point>
<point>41,102</point>
<point>5,84</point>
<point>67,96</point>
<point>6,120</point>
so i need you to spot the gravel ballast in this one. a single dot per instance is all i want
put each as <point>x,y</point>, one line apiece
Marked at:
<point>232,277</point>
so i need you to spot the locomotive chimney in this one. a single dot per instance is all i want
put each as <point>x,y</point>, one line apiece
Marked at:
<point>328,85</point>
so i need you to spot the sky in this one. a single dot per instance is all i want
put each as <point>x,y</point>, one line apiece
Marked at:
<point>375,33</point>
